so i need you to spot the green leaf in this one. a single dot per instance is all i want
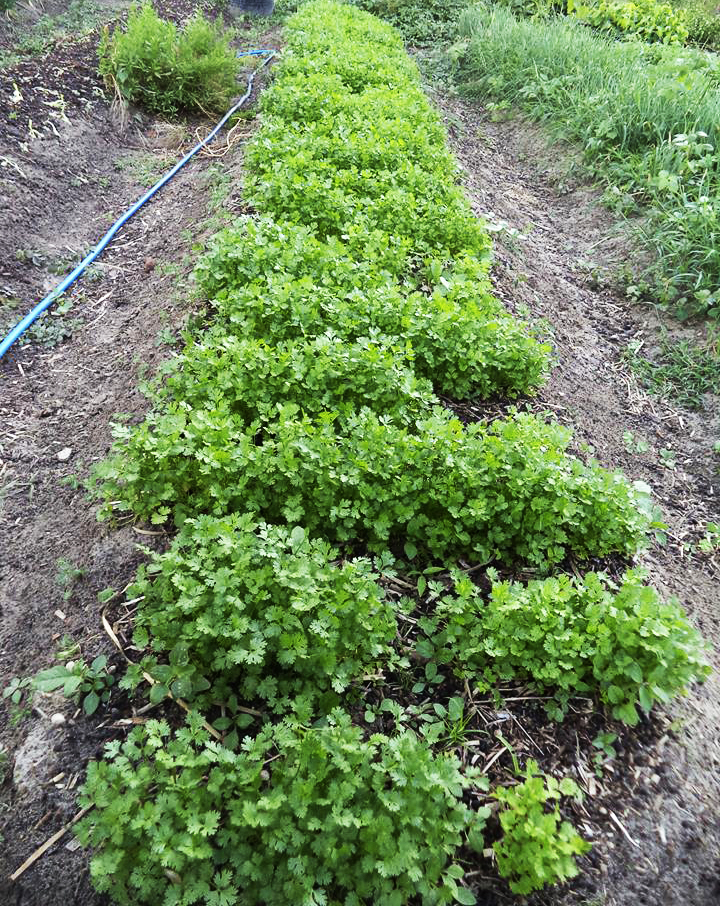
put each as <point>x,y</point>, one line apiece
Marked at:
<point>645,698</point>
<point>410,550</point>
<point>51,679</point>
<point>91,703</point>
<point>465,896</point>
<point>158,693</point>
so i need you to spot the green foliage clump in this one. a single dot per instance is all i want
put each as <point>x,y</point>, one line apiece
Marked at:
<point>537,847</point>
<point>155,65</point>
<point>351,168</point>
<point>421,22</point>
<point>298,816</point>
<point>681,370</point>
<point>646,20</point>
<point>305,417</point>
<point>647,118</point>
<point>260,611</point>
<point>703,23</point>
<point>280,283</point>
<point>508,490</point>
<point>324,374</point>
<point>568,635</point>
<point>78,680</point>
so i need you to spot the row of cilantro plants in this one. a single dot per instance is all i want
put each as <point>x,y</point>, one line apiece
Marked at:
<point>299,447</point>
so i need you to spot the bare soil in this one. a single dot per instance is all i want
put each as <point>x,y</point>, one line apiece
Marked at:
<point>653,814</point>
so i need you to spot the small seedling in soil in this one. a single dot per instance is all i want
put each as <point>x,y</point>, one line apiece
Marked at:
<point>68,648</point>
<point>52,327</point>
<point>634,444</point>
<point>604,743</point>
<point>78,680</point>
<point>710,541</point>
<point>667,459</point>
<point>67,575</point>
<point>18,694</point>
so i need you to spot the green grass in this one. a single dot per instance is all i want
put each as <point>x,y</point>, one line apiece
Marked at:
<point>647,118</point>
<point>680,370</point>
<point>79,19</point>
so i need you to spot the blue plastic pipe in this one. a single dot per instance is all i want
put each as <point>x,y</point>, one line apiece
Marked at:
<point>43,306</point>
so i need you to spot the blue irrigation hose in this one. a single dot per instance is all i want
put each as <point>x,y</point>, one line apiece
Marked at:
<point>43,306</point>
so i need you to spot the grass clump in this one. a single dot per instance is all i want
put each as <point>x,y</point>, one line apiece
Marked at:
<point>168,70</point>
<point>647,118</point>
<point>680,369</point>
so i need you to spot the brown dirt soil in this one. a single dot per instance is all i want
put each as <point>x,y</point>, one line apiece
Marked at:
<point>661,844</point>
<point>63,189</point>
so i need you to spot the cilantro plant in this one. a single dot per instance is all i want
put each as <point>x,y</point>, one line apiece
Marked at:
<point>569,636</point>
<point>315,815</point>
<point>537,847</point>
<point>317,375</point>
<point>508,490</point>
<point>279,283</point>
<point>253,610</point>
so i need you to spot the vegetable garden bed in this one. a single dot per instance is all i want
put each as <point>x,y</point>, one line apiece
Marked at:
<point>334,604</point>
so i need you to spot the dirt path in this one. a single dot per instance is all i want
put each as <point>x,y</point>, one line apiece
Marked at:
<point>667,796</point>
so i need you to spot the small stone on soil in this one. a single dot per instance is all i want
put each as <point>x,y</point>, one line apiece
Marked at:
<point>64,454</point>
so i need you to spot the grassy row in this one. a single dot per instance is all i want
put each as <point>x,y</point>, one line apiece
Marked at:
<point>299,431</point>
<point>646,116</point>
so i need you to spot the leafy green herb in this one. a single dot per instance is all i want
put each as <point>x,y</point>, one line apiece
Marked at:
<point>537,847</point>
<point>297,816</point>
<point>258,611</point>
<point>570,635</point>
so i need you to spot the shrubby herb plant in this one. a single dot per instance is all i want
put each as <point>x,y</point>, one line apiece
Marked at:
<point>569,636</point>
<point>537,847</point>
<point>508,490</point>
<point>319,375</point>
<point>315,815</point>
<point>280,283</point>
<point>255,611</point>
<point>646,20</point>
<point>421,22</point>
<point>167,70</point>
